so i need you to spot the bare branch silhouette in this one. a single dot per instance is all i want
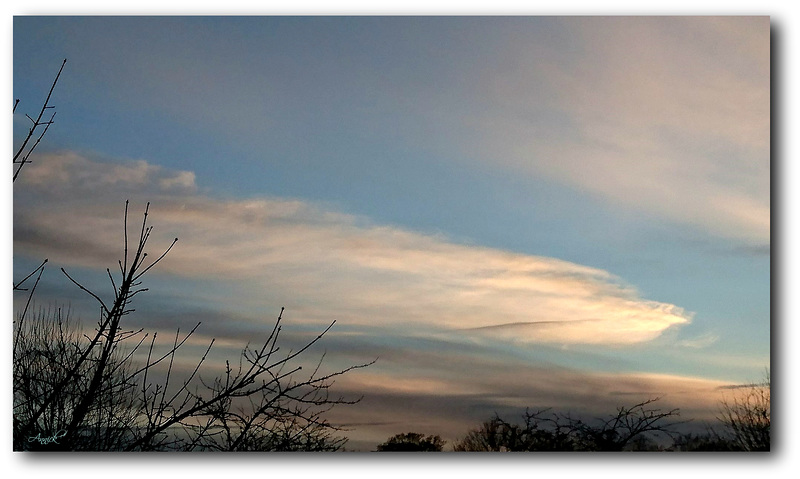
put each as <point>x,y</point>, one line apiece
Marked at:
<point>746,416</point>
<point>101,398</point>
<point>90,390</point>
<point>21,157</point>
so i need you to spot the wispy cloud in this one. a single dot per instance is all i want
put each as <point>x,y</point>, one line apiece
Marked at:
<point>480,389</point>
<point>699,342</point>
<point>323,264</point>
<point>670,116</point>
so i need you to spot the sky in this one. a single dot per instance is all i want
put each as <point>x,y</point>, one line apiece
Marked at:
<point>507,212</point>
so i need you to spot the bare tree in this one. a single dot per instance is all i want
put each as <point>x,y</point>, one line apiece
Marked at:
<point>258,406</point>
<point>626,428</point>
<point>746,416</point>
<point>85,391</point>
<point>47,356</point>
<point>22,157</point>
<point>77,391</point>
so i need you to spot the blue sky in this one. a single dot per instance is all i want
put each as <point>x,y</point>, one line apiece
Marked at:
<point>579,198</point>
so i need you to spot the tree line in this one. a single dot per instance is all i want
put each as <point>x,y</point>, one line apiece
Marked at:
<point>743,424</point>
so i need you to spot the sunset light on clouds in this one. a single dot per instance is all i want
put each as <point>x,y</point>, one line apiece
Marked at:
<point>362,274</point>
<point>506,212</point>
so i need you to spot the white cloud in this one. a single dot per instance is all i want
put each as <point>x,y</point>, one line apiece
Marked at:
<point>325,264</point>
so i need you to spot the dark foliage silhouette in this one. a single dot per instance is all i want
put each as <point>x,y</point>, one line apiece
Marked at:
<point>412,442</point>
<point>542,430</point>
<point>708,442</point>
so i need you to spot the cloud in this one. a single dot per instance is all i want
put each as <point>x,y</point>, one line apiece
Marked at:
<point>699,342</point>
<point>257,254</point>
<point>667,115</point>
<point>476,392</point>
<point>445,385</point>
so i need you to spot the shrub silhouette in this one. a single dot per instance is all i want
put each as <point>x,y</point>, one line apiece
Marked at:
<point>544,431</point>
<point>412,442</point>
<point>746,416</point>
